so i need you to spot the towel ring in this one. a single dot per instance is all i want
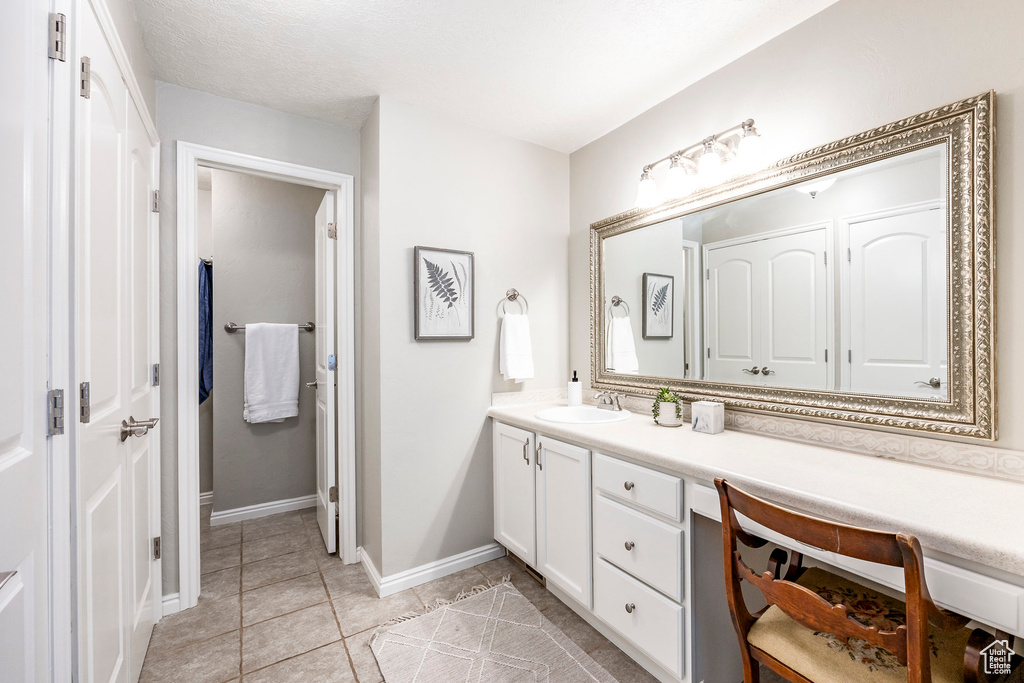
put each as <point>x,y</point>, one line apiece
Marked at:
<point>514,295</point>
<point>616,302</point>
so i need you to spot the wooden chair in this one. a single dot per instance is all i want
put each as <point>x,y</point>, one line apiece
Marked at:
<point>821,628</point>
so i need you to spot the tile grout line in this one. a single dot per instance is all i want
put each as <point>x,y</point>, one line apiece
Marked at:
<point>337,622</point>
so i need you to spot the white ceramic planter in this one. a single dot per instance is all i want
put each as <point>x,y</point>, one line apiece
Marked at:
<point>667,414</point>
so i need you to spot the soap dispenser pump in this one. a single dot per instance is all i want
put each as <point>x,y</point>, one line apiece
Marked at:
<point>575,391</point>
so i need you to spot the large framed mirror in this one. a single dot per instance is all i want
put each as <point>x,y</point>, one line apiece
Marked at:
<point>852,282</point>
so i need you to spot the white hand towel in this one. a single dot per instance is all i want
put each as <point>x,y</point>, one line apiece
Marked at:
<point>515,352</point>
<point>620,347</point>
<point>271,391</point>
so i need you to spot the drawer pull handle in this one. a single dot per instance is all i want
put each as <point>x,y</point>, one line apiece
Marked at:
<point>629,545</point>
<point>630,607</point>
<point>629,485</point>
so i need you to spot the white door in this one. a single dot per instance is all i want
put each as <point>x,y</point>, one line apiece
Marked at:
<point>143,465</point>
<point>114,333</point>
<point>515,493</point>
<point>326,458</point>
<point>564,554</point>
<point>794,303</point>
<point>733,315</point>
<point>24,618</point>
<point>768,311</point>
<point>895,304</point>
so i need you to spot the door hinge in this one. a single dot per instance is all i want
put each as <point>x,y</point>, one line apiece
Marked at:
<point>86,78</point>
<point>709,352</point>
<point>707,275</point>
<point>332,231</point>
<point>156,374</point>
<point>826,258</point>
<point>54,412</point>
<point>156,548</point>
<point>849,356</point>
<point>826,355</point>
<point>156,201</point>
<point>84,409</point>
<point>849,255</point>
<point>58,36</point>
<point>332,494</point>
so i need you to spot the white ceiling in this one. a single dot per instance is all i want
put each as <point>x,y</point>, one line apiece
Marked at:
<point>559,73</point>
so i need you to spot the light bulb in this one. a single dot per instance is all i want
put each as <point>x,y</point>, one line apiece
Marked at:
<point>678,183</point>
<point>710,165</point>
<point>647,191</point>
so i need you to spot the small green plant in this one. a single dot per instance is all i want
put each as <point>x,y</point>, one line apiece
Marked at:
<point>666,395</point>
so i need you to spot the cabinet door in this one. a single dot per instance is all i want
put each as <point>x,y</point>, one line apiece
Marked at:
<point>515,493</point>
<point>563,517</point>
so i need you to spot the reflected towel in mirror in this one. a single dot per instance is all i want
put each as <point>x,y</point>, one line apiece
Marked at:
<point>515,352</point>
<point>620,348</point>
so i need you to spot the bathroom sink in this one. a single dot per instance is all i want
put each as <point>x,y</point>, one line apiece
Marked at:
<point>582,415</point>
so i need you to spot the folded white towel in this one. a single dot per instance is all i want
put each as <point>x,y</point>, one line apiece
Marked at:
<point>620,348</point>
<point>271,391</point>
<point>515,352</point>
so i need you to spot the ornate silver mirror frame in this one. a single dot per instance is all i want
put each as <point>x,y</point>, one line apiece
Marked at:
<point>970,411</point>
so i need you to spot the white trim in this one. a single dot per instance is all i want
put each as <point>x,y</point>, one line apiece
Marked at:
<point>189,157</point>
<point>171,604</point>
<point>389,585</point>
<point>206,498</point>
<point>262,510</point>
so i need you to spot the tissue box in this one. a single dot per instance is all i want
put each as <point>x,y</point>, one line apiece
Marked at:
<point>708,416</point>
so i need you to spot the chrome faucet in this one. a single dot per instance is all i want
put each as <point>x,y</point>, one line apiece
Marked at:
<point>609,400</point>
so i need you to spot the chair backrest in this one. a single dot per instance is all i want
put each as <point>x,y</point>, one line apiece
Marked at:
<point>909,643</point>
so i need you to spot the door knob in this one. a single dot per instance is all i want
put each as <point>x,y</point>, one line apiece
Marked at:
<point>934,383</point>
<point>766,371</point>
<point>313,385</point>
<point>133,427</point>
<point>752,371</point>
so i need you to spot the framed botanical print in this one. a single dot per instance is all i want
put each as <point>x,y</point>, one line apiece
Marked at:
<point>659,304</point>
<point>444,296</point>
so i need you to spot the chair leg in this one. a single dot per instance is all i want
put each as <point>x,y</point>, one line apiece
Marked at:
<point>751,670</point>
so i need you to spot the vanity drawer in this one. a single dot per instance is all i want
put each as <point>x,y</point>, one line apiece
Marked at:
<point>655,624</point>
<point>661,493</point>
<point>646,548</point>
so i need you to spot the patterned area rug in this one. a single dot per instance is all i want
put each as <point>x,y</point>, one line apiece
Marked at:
<point>488,635</point>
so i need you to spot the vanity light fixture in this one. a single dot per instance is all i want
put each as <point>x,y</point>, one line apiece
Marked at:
<point>734,151</point>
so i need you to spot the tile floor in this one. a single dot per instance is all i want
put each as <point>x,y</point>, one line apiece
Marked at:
<point>276,608</point>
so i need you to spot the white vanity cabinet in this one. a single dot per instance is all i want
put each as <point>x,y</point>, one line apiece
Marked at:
<point>542,507</point>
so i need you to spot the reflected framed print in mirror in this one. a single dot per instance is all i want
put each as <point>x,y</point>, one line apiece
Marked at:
<point>659,305</point>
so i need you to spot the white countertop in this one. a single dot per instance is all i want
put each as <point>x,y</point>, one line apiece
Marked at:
<point>971,517</point>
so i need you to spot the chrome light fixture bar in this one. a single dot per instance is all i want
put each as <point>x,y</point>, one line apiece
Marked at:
<point>732,152</point>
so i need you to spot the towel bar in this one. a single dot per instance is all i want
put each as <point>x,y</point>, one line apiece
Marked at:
<point>231,328</point>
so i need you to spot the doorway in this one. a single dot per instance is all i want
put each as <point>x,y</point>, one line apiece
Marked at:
<point>238,219</point>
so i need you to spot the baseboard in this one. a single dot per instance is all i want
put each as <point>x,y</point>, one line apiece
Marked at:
<point>395,583</point>
<point>171,604</point>
<point>262,510</point>
<point>206,498</point>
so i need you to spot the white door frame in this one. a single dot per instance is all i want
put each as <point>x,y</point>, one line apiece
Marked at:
<point>189,158</point>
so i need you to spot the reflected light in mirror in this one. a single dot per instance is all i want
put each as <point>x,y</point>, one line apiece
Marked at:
<point>814,188</point>
<point>647,192</point>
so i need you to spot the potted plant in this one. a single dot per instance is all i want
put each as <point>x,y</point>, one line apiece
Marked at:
<point>668,411</point>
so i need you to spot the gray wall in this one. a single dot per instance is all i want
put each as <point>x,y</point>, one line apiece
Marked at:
<point>855,65</point>
<point>444,184</point>
<point>192,116</point>
<point>263,245</point>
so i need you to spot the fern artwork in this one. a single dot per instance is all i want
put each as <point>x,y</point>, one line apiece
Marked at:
<point>444,296</point>
<point>659,305</point>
